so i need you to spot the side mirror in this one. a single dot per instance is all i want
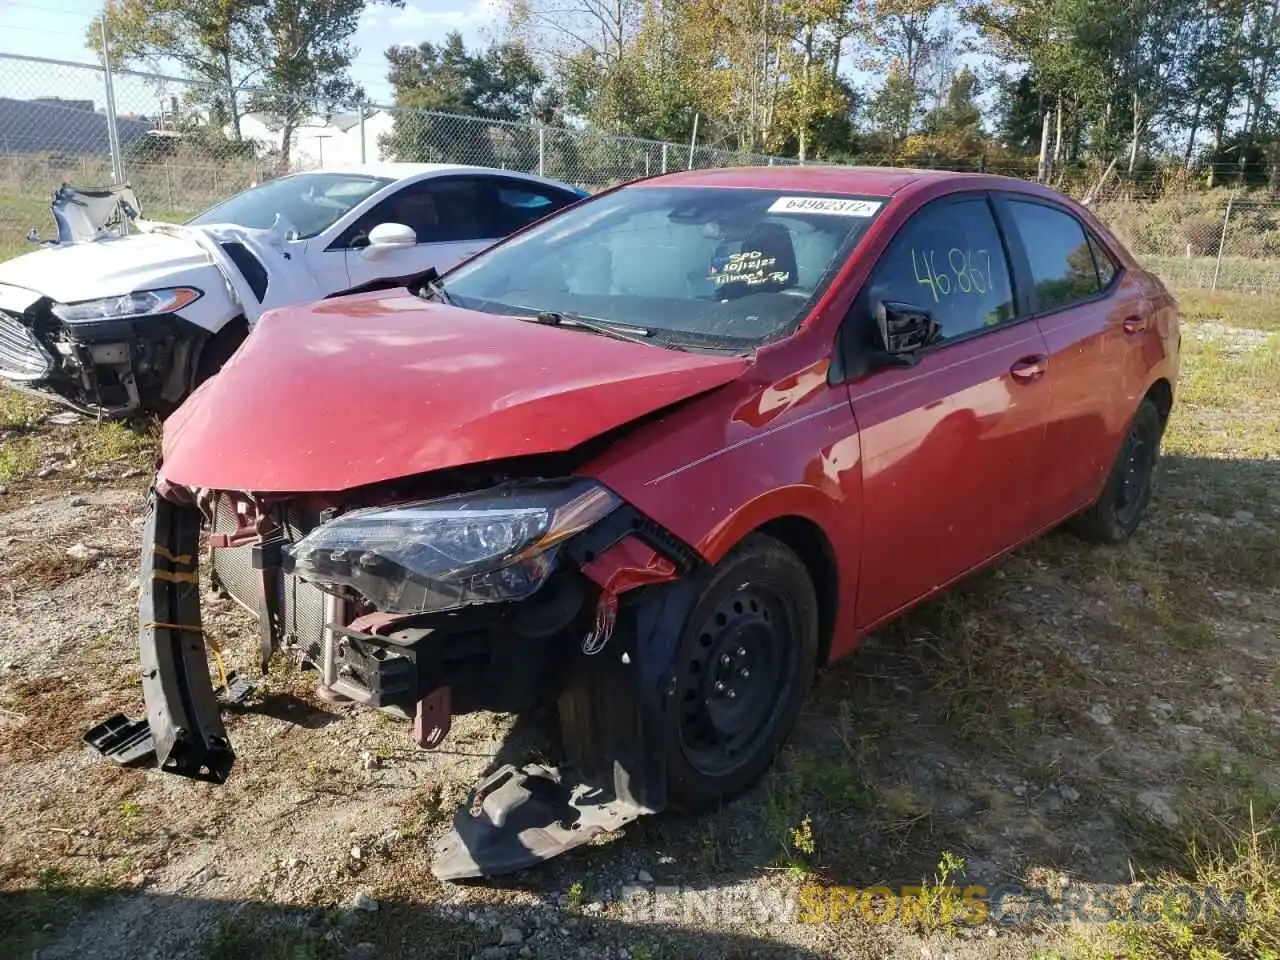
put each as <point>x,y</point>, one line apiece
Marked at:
<point>904,330</point>
<point>389,236</point>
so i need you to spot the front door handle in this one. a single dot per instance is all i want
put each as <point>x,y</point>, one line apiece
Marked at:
<point>1029,369</point>
<point>1135,324</point>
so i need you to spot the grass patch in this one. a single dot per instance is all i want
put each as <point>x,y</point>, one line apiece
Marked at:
<point>131,444</point>
<point>19,411</point>
<point>19,459</point>
<point>1230,908</point>
<point>1245,310</point>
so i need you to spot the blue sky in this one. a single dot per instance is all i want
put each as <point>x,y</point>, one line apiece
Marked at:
<point>56,29</point>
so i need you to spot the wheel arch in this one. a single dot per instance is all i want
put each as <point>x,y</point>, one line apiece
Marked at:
<point>217,349</point>
<point>811,544</point>
<point>1161,394</point>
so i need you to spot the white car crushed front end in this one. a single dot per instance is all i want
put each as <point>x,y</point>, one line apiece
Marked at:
<point>113,324</point>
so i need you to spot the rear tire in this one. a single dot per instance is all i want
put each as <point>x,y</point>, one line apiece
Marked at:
<point>1118,512</point>
<point>743,667</point>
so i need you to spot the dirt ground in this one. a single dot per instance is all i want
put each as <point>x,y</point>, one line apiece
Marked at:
<point>1075,715</point>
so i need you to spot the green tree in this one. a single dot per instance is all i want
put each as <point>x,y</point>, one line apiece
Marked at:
<point>295,52</point>
<point>893,107</point>
<point>956,127</point>
<point>500,84</point>
<point>1020,113</point>
<point>305,70</point>
<point>216,42</point>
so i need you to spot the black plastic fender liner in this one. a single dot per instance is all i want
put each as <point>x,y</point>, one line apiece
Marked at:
<point>182,711</point>
<point>614,717</point>
<point>614,705</point>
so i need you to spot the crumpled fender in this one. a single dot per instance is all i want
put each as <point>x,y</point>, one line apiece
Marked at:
<point>290,280</point>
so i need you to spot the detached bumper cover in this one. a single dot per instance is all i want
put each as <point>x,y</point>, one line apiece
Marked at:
<point>182,711</point>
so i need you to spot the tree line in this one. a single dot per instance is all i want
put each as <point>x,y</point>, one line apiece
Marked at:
<point>1130,88</point>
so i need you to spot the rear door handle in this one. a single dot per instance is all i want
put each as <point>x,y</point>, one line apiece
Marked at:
<point>1030,368</point>
<point>1135,324</point>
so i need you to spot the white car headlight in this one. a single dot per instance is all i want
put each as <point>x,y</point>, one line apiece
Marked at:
<point>144,303</point>
<point>484,547</point>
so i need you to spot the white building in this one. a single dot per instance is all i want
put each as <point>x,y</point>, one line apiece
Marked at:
<point>317,142</point>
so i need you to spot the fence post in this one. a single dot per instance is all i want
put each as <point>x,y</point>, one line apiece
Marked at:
<point>360,109</point>
<point>664,156</point>
<point>1222,242</point>
<point>113,133</point>
<point>542,150</point>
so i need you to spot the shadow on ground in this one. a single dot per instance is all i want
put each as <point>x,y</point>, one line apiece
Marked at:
<point>249,930</point>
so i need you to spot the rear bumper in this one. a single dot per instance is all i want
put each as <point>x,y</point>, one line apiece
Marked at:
<point>182,711</point>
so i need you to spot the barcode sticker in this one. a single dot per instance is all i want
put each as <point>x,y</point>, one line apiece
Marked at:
<point>836,206</point>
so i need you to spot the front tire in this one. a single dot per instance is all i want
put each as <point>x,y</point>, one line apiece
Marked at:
<point>1117,513</point>
<point>218,350</point>
<point>744,664</point>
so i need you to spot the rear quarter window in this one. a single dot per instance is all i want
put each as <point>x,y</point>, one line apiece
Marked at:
<point>1107,268</point>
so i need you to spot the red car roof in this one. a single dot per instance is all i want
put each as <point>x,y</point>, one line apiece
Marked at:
<point>867,181</point>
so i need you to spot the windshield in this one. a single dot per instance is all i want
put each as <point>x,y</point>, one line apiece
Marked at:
<point>714,266</point>
<point>308,202</point>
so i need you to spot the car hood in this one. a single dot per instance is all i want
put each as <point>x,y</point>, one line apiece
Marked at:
<point>162,255</point>
<point>107,267</point>
<point>375,387</point>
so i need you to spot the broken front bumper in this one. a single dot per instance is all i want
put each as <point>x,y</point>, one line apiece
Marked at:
<point>110,368</point>
<point>612,701</point>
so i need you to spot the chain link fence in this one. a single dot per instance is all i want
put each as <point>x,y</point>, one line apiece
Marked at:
<point>1216,240</point>
<point>184,146</point>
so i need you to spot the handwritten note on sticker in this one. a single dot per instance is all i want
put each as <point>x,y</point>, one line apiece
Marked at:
<point>835,206</point>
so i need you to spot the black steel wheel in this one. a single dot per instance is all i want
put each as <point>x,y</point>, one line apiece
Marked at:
<point>1119,510</point>
<point>743,667</point>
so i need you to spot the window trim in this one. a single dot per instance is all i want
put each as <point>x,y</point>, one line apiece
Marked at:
<point>846,352</point>
<point>1001,199</point>
<point>490,203</point>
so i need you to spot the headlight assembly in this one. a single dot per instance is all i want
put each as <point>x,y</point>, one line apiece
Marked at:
<point>483,547</point>
<point>145,303</point>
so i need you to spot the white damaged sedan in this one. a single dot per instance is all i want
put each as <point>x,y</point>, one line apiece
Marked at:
<point>114,322</point>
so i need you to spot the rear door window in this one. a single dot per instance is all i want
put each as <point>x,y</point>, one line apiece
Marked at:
<point>440,210</point>
<point>521,204</point>
<point>948,259</point>
<point>1062,265</point>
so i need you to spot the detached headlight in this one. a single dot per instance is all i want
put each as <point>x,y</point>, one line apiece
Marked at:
<point>145,303</point>
<point>483,547</point>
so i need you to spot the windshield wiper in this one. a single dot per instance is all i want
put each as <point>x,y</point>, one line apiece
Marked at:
<point>436,288</point>
<point>431,287</point>
<point>561,318</point>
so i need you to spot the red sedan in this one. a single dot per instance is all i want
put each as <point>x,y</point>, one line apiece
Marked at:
<point>653,460</point>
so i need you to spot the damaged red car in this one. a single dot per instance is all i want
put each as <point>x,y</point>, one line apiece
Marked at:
<point>653,460</point>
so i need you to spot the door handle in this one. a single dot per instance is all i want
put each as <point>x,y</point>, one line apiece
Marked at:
<point>1135,324</point>
<point>1030,368</point>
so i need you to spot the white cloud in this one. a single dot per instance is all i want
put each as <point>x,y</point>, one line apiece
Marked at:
<point>435,23</point>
